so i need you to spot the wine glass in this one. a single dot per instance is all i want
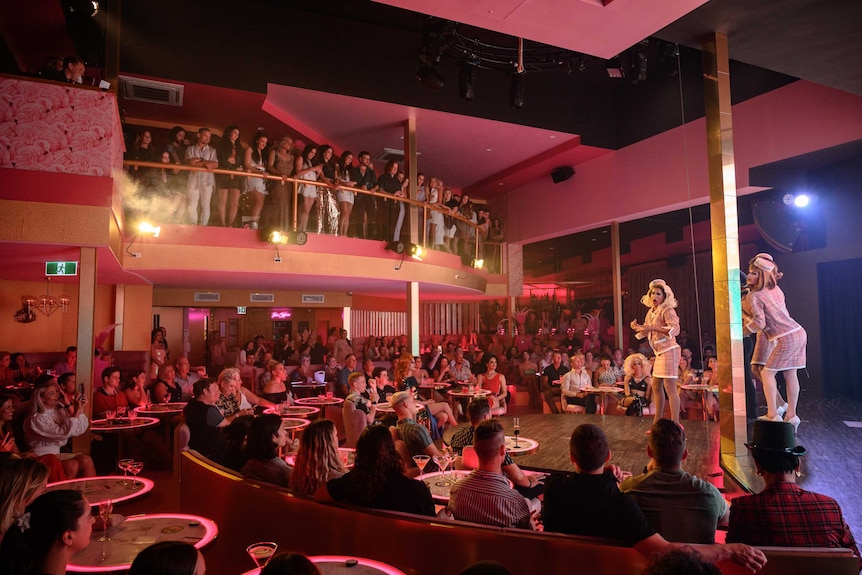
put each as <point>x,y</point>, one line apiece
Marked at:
<point>106,507</point>
<point>516,424</point>
<point>123,464</point>
<point>261,552</point>
<point>421,461</point>
<point>136,467</point>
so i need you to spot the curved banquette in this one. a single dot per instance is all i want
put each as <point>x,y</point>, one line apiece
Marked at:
<point>247,511</point>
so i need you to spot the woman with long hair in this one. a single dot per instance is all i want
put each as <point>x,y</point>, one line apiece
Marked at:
<point>282,163</point>
<point>317,460</point>
<point>305,168</point>
<point>494,381</point>
<point>21,482</point>
<point>781,341</point>
<point>660,329</point>
<point>230,155</point>
<point>169,558</point>
<point>49,426</point>
<point>7,413</point>
<point>256,187</point>
<point>377,479</point>
<point>158,352</point>
<point>266,437</point>
<point>346,198</point>
<point>276,390</point>
<point>327,209</point>
<point>52,529</point>
<point>164,389</point>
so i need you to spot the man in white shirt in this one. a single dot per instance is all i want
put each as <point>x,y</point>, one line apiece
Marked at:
<point>201,184</point>
<point>574,384</point>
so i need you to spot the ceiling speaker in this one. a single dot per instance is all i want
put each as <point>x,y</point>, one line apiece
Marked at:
<point>562,174</point>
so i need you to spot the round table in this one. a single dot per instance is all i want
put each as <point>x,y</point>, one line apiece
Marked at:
<point>124,424</point>
<point>434,386</point>
<point>464,395</point>
<point>293,410</point>
<point>525,445</point>
<point>294,424</point>
<point>320,400</point>
<point>337,565</point>
<point>306,388</point>
<point>440,493</point>
<point>703,389</point>
<point>602,389</point>
<point>136,533</point>
<point>99,489</point>
<point>157,409</point>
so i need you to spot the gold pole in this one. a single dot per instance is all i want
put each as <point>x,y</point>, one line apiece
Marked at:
<point>725,245</point>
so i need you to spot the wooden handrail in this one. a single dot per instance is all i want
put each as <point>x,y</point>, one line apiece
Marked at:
<point>277,178</point>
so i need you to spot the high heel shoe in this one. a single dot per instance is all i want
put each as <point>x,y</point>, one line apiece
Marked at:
<point>781,410</point>
<point>794,421</point>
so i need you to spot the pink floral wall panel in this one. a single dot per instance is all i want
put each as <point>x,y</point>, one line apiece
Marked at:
<point>56,128</point>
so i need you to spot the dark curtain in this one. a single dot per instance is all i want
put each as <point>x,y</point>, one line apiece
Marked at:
<point>839,285</point>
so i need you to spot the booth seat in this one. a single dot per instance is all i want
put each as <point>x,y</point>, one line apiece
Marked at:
<point>248,511</point>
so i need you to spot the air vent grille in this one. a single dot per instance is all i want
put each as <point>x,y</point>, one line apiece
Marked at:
<point>207,296</point>
<point>151,91</point>
<point>387,154</point>
<point>262,298</point>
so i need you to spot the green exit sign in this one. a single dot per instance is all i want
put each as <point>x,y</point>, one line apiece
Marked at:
<point>61,268</point>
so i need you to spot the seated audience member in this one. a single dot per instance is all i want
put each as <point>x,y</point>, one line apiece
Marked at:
<point>415,436</point>
<point>205,421</point>
<point>494,381</point>
<point>637,384</point>
<point>484,496</point>
<point>304,373</point>
<point>68,384</point>
<point>21,482</point>
<point>109,397</point>
<point>317,460</point>
<point>574,383</point>
<point>49,426</point>
<point>234,400</point>
<point>680,506</point>
<point>438,409</point>
<point>235,434</point>
<point>588,502</point>
<point>553,372</point>
<point>165,389</point>
<point>169,558</point>
<point>266,437</point>
<point>54,527</point>
<point>7,414</point>
<point>275,390</point>
<point>290,564</point>
<point>342,383</point>
<point>680,562</point>
<point>70,361</point>
<point>784,514</point>
<point>135,390</point>
<point>186,378</point>
<point>377,479</point>
<point>528,372</point>
<point>21,370</point>
<point>358,388</point>
<point>478,411</point>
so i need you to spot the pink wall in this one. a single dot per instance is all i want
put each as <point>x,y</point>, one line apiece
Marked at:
<point>650,177</point>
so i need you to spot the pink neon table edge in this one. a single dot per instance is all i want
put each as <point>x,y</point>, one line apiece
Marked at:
<point>302,410</point>
<point>148,485</point>
<point>210,533</point>
<point>147,421</point>
<point>383,567</point>
<point>291,423</point>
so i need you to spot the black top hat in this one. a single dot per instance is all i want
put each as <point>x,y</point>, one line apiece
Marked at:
<point>775,436</point>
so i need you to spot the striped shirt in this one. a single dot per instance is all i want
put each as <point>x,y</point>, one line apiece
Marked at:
<point>486,497</point>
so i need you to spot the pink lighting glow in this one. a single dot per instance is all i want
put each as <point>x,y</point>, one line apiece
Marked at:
<point>280,314</point>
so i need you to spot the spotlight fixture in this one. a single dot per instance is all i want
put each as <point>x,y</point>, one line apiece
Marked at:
<point>478,263</point>
<point>516,91</point>
<point>277,237</point>
<point>281,237</point>
<point>801,200</point>
<point>150,229</point>
<point>615,68</point>
<point>430,78</point>
<point>402,248</point>
<point>466,78</point>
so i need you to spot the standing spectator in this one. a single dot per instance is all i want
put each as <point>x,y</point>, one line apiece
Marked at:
<point>255,187</point>
<point>327,210</point>
<point>365,209</point>
<point>201,184</point>
<point>342,346</point>
<point>306,169</point>
<point>346,198</point>
<point>276,204</point>
<point>230,155</point>
<point>218,352</point>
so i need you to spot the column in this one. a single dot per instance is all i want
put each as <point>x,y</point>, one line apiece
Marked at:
<point>413,317</point>
<point>412,218</point>
<point>87,272</point>
<point>617,284</point>
<point>725,244</point>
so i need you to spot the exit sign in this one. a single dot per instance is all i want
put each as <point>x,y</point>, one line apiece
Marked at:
<point>61,268</point>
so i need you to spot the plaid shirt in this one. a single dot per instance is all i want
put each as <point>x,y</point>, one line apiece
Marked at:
<point>784,514</point>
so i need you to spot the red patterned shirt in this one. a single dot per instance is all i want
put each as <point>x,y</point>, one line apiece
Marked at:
<point>784,514</point>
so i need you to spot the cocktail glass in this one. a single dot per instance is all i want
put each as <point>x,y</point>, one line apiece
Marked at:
<point>261,552</point>
<point>106,507</point>
<point>123,464</point>
<point>136,467</point>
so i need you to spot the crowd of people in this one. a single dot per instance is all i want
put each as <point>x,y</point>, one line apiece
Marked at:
<point>243,198</point>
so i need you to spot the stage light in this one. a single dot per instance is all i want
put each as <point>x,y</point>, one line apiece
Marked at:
<point>478,263</point>
<point>277,237</point>
<point>148,228</point>
<point>416,252</point>
<point>516,90</point>
<point>397,247</point>
<point>466,78</point>
<point>801,201</point>
<point>615,68</point>
<point>430,78</point>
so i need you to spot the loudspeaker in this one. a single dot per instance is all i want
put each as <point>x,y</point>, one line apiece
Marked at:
<point>562,174</point>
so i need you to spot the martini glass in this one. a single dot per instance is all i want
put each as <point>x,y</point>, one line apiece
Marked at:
<point>421,461</point>
<point>261,552</point>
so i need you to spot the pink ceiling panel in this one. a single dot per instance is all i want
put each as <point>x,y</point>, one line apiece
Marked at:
<point>583,26</point>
